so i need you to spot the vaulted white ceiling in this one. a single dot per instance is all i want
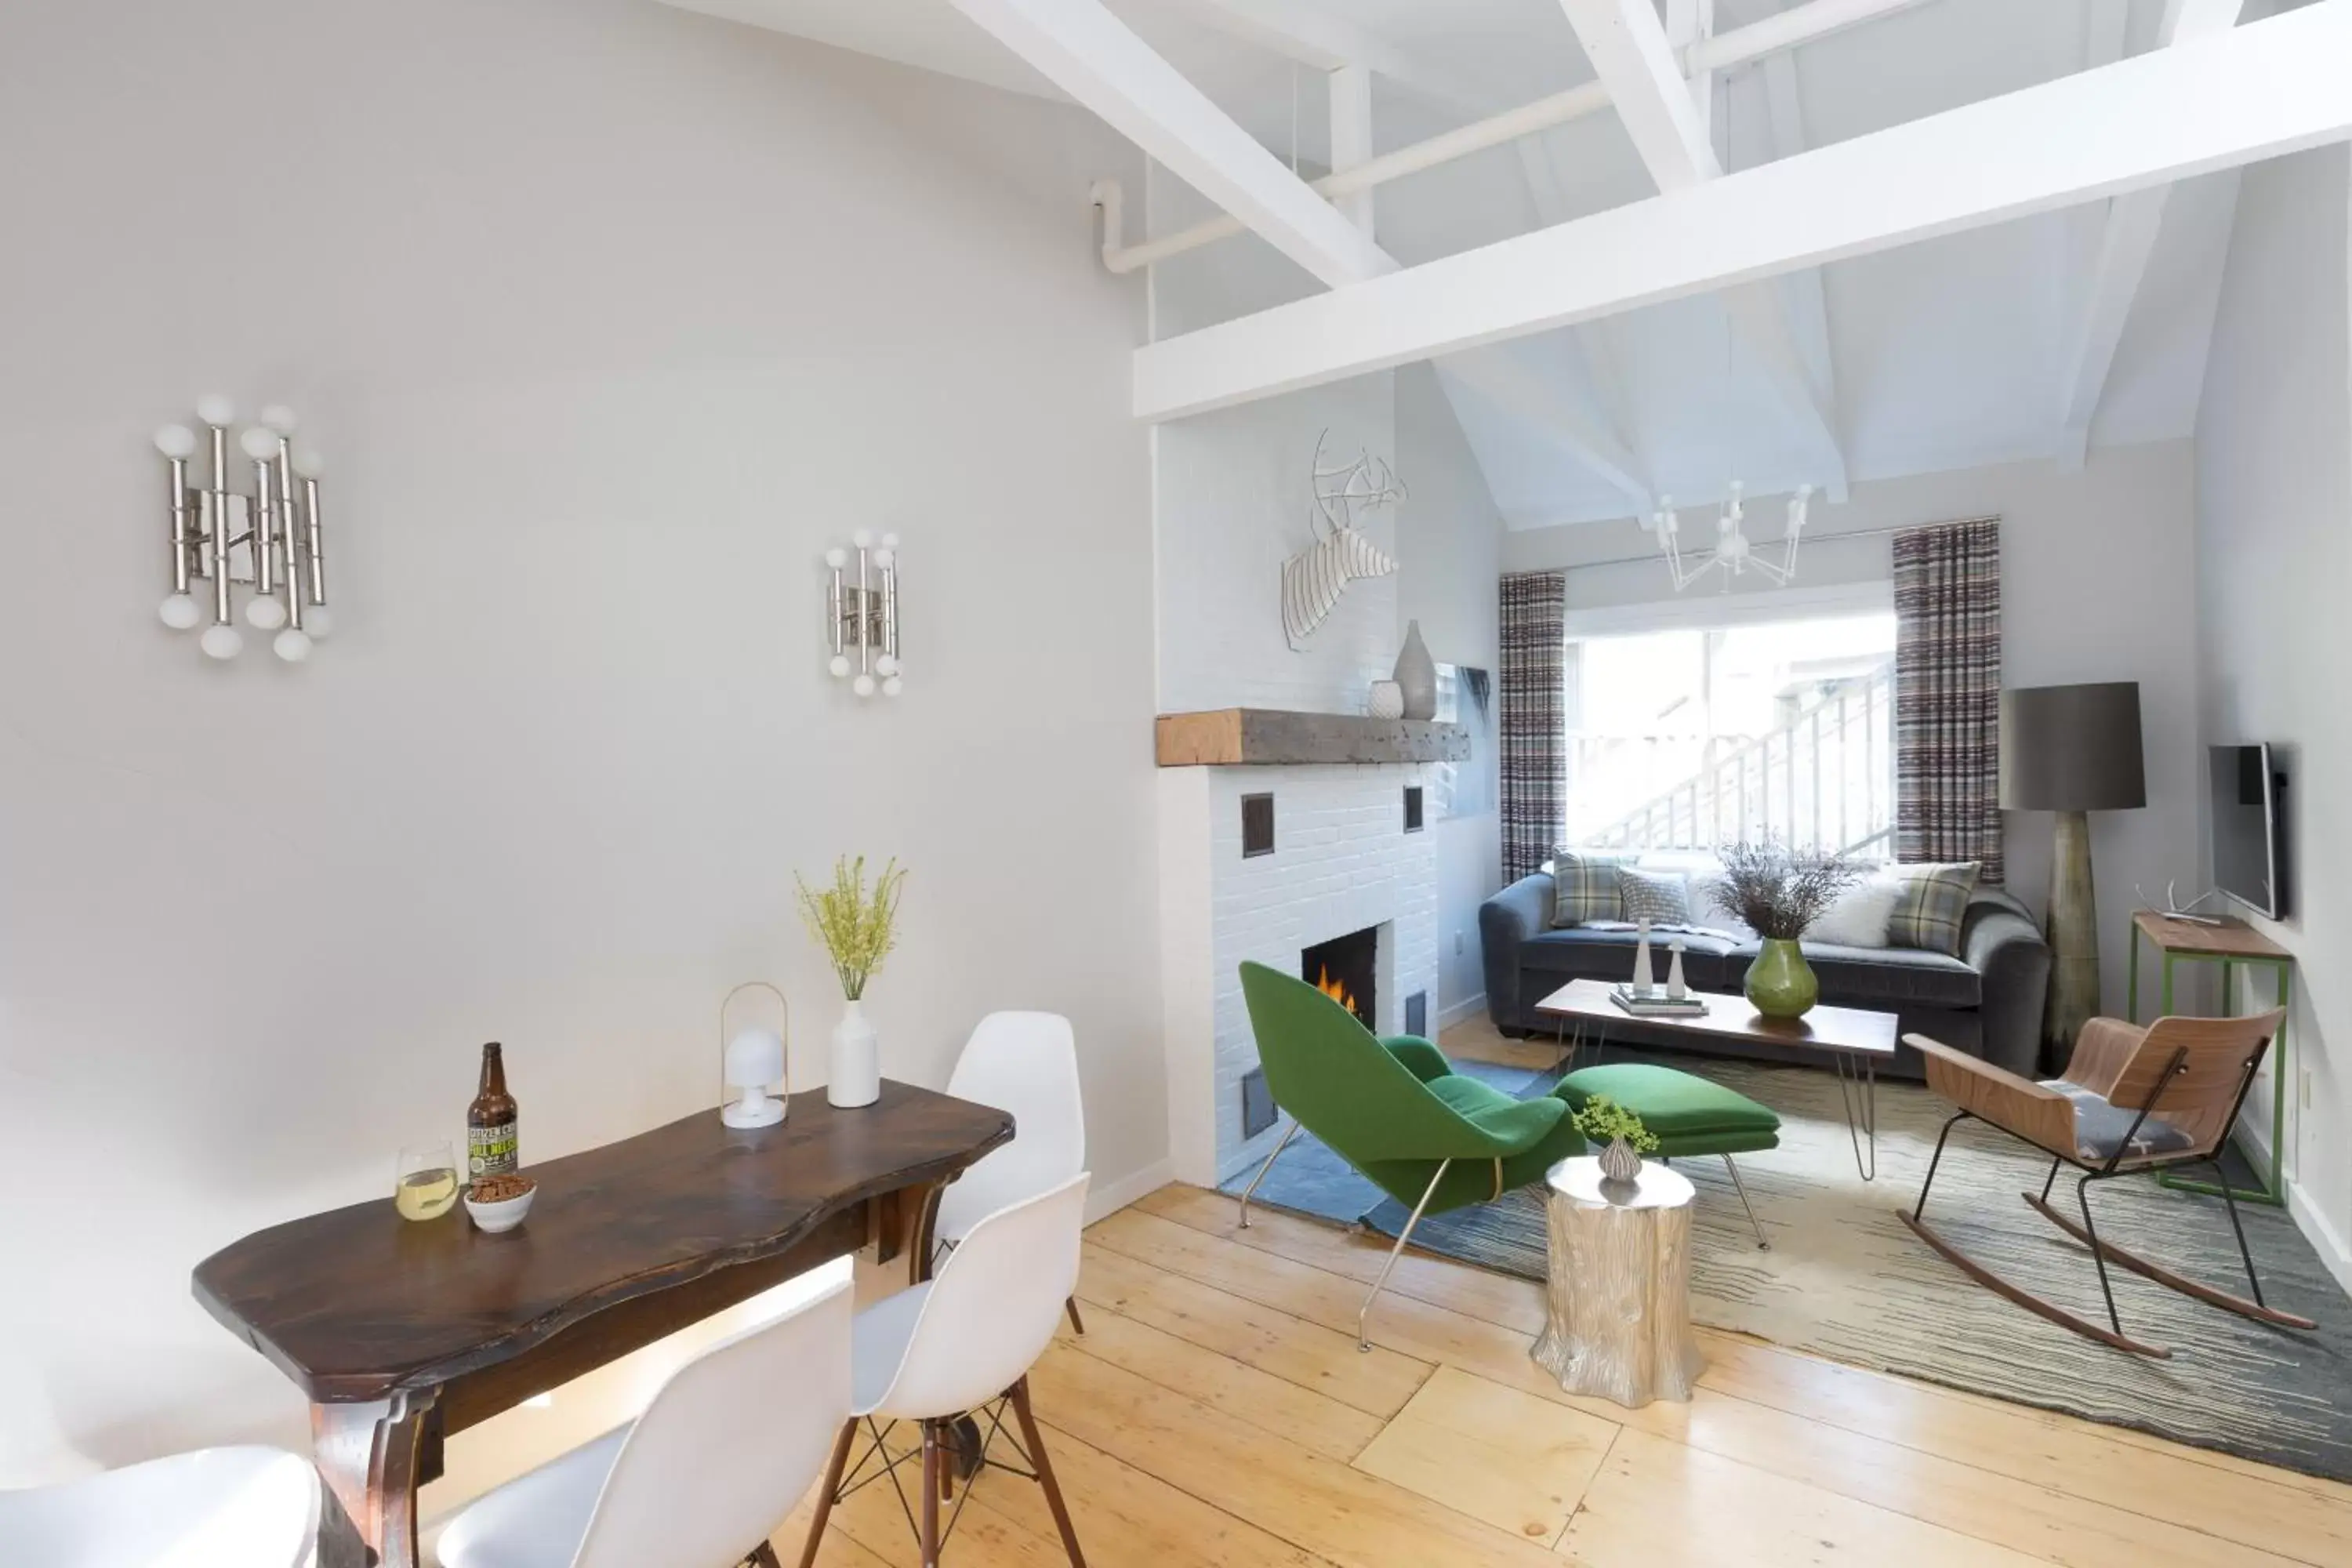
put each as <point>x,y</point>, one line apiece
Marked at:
<point>1980,347</point>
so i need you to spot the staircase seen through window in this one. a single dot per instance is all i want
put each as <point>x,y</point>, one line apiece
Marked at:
<point>1689,738</point>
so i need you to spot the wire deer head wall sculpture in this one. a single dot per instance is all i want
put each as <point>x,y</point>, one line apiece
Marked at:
<point>1313,579</point>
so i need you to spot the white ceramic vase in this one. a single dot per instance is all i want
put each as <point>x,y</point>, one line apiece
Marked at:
<point>1387,700</point>
<point>856,1078</point>
<point>1417,673</point>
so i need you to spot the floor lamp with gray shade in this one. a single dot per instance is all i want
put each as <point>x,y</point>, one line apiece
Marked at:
<point>2071,749</point>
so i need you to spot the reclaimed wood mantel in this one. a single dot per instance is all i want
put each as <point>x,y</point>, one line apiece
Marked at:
<point>1268,737</point>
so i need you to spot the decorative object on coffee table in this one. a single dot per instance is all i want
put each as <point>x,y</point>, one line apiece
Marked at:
<point>1416,672</point>
<point>857,930</point>
<point>752,1059</point>
<point>1386,702</point>
<point>1618,1298</point>
<point>2071,749</point>
<point>1779,892</point>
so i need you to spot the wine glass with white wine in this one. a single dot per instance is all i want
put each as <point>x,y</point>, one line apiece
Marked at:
<point>426,1185</point>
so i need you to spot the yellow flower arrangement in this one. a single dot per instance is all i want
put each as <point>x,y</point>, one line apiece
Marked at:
<point>857,928</point>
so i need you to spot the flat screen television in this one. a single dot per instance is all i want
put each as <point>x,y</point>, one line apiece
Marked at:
<point>2248,860</point>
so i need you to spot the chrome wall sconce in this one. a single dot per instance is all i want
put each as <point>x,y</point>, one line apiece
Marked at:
<point>270,539</point>
<point>862,617</point>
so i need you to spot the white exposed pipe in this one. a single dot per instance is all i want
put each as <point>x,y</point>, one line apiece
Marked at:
<point>1739,47</point>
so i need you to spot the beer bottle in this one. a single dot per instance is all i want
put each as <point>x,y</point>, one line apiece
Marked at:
<point>490,1146</point>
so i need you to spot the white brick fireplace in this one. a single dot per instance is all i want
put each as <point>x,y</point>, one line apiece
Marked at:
<point>1342,861</point>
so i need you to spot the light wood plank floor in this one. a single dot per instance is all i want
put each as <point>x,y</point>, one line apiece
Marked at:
<point>1217,1412</point>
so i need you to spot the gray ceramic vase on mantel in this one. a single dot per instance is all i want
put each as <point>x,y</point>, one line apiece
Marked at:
<point>1417,673</point>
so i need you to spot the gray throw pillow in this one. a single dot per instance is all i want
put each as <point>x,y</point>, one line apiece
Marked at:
<point>1660,898</point>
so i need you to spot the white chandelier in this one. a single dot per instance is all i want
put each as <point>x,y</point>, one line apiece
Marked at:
<point>1733,552</point>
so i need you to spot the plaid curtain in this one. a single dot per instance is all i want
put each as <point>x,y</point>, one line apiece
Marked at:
<point>1947,694</point>
<point>1535,743</point>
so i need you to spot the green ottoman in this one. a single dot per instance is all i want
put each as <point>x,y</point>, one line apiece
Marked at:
<point>1688,1114</point>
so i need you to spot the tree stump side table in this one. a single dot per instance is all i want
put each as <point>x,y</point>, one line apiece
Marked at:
<point>1619,1324</point>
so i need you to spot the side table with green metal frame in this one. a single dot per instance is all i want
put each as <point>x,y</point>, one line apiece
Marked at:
<point>2230,945</point>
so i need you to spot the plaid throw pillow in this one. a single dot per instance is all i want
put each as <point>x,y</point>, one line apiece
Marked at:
<point>1933,901</point>
<point>1660,898</point>
<point>1584,887</point>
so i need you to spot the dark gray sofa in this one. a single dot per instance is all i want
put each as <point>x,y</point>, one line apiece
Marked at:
<point>1986,1000</point>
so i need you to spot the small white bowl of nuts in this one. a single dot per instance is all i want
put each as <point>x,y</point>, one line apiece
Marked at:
<point>499,1203</point>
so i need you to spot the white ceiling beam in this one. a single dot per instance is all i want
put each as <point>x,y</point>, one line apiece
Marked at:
<point>1327,42</point>
<point>1627,45</point>
<point>1606,450</point>
<point>2260,90</point>
<point>1635,56</point>
<point>1089,54</point>
<point>1688,22</point>
<point>1351,138</point>
<point>1510,384</point>
<point>1785,30</point>
<point>1805,376</point>
<point>2126,243</point>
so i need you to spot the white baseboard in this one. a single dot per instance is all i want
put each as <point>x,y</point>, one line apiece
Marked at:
<point>1469,1007</point>
<point>2331,1246</point>
<point>2322,1236</point>
<point>1112,1196</point>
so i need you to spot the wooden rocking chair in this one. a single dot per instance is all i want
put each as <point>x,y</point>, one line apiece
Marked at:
<point>2131,1100</point>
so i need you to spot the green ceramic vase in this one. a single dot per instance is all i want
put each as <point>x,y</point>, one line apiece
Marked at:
<point>1780,984</point>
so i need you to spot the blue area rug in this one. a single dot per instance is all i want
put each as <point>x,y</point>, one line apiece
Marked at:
<point>1846,1279</point>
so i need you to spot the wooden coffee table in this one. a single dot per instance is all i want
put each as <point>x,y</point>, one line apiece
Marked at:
<point>1855,1039</point>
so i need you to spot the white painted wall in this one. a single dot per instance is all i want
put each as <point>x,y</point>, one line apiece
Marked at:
<point>2273,552</point>
<point>611,318</point>
<point>1449,545</point>
<point>2096,585</point>
<point>1233,503</point>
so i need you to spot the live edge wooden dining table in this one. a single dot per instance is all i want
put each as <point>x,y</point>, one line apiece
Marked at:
<point>400,1334</point>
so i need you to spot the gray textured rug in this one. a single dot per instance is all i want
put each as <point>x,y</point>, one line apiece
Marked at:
<point>1845,1279</point>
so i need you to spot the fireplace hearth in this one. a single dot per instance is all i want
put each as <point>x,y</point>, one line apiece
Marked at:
<point>1347,970</point>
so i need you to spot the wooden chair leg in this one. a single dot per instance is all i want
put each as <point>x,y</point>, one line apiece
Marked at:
<point>1071,1307</point>
<point>1044,1468</point>
<point>2206,1293</point>
<point>825,1494</point>
<point>933,1477</point>
<point>2026,1298</point>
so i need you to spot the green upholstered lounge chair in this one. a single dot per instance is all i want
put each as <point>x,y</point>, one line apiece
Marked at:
<point>1395,1109</point>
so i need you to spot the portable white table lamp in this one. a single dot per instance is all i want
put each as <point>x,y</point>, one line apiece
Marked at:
<point>751,1060</point>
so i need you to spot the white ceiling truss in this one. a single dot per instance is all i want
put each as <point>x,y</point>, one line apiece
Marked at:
<point>1794,231</point>
<point>2260,90</point>
<point>2128,237</point>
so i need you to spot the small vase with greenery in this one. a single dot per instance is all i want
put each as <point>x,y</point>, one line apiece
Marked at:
<point>1620,1132</point>
<point>856,927</point>
<point>1781,893</point>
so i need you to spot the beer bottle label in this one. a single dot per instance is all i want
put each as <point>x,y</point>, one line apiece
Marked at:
<point>491,1151</point>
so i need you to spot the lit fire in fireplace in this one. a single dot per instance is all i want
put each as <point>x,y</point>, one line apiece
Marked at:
<point>1335,989</point>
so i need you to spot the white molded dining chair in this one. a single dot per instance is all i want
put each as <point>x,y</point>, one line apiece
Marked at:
<point>724,1452</point>
<point>215,1508</point>
<point>962,1341</point>
<point>1026,1064</point>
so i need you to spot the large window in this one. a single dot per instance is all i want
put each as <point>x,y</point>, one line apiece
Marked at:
<point>1690,737</point>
